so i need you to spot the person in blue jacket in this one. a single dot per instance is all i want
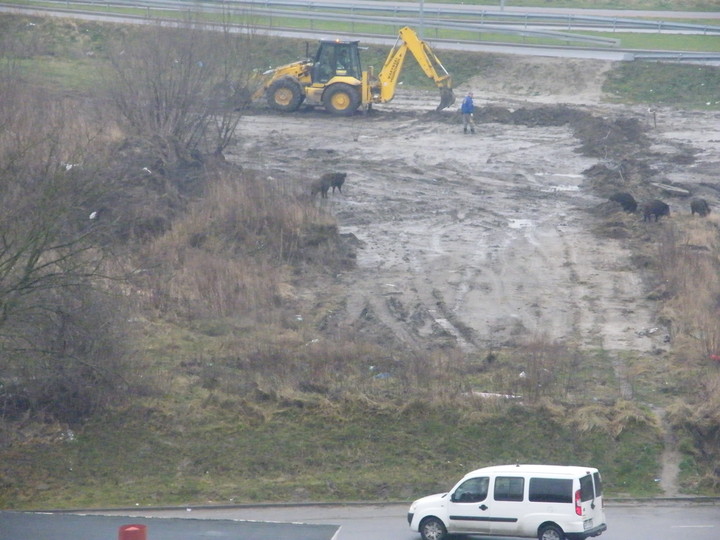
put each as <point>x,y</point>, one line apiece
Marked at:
<point>466,109</point>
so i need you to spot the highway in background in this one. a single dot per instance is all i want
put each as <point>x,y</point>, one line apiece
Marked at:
<point>449,8</point>
<point>587,52</point>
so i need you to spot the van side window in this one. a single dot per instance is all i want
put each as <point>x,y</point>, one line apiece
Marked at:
<point>553,490</point>
<point>586,488</point>
<point>509,488</point>
<point>472,490</point>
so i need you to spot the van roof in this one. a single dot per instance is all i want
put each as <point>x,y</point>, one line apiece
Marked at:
<point>555,470</point>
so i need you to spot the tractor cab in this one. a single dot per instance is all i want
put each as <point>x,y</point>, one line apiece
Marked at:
<point>336,59</point>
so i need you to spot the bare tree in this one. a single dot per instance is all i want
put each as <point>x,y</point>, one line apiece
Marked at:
<point>56,355</point>
<point>183,82</point>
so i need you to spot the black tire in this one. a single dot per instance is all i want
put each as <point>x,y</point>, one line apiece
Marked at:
<point>551,532</point>
<point>341,99</point>
<point>285,95</point>
<point>432,529</point>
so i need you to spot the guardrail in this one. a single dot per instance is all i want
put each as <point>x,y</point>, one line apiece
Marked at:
<point>502,22</point>
<point>443,20</point>
<point>567,20</point>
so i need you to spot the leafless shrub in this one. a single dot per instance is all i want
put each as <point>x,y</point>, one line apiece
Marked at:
<point>437,375</point>
<point>57,356</point>
<point>699,422</point>
<point>182,82</point>
<point>544,369</point>
<point>229,254</point>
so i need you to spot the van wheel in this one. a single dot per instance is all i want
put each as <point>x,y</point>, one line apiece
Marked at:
<point>432,529</point>
<point>551,532</point>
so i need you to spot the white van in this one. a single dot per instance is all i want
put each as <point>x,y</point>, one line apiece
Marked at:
<point>548,502</point>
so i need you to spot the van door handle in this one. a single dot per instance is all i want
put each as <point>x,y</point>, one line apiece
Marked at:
<point>483,507</point>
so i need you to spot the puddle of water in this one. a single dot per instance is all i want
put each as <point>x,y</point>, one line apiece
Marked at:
<point>560,175</point>
<point>555,189</point>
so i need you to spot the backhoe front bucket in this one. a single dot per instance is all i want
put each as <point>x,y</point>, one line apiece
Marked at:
<point>447,98</point>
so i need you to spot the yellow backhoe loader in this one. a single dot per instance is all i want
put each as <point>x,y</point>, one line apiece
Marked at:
<point>335,80</point>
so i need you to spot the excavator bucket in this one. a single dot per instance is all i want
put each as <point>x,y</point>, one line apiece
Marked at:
<point>447,98</point>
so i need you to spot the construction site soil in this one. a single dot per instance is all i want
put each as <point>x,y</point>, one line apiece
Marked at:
<point>488,240</point>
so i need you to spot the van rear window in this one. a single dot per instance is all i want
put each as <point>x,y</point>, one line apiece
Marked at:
<point>598,484</point>
<point>555,490</point>
<point>586,488</point>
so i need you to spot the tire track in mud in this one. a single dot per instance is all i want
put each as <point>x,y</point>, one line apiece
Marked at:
<point>474,240</point>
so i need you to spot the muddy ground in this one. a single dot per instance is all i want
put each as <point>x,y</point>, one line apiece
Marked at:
<point>492,239</point>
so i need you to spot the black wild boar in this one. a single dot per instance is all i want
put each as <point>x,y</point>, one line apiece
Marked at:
<point>627,201</point>
<point>321,186</point>
<point>336,180</point>
<point>655,209</point>
<point>699,207</point>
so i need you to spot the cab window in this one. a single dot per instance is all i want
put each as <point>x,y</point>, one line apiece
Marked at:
<point>347,62</point>
<point>509,488</point>
<point>472,490</point>
<point>324,68</point>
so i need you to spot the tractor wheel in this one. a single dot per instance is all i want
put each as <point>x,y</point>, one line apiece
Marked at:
<point>285,95</point>
<point>341,99</point>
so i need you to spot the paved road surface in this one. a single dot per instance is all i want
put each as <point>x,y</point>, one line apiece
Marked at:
<point>36,526</point>
<point>652,520</point>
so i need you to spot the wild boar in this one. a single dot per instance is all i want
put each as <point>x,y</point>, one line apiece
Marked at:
<point>699,207</point>
<point>655,209</point>
<point>626,200</point>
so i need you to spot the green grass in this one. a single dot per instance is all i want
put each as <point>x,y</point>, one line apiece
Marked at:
<point>182,454</point>
<point>73,75</point>
<point>665,83</point>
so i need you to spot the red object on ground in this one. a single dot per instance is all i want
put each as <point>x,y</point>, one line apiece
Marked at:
<point>132,532</point>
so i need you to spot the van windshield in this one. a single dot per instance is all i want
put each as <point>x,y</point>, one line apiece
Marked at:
<point>586,488</point>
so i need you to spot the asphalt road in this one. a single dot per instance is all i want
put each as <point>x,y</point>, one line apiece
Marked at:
<point>652,520</point>
<point>43,526</point>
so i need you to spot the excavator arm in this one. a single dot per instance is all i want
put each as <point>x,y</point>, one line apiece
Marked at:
<point>388,77</point>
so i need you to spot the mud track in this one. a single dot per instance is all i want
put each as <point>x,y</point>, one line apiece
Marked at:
<point>488,240</point>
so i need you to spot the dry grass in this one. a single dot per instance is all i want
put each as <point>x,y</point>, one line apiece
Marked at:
<point>689,255</point>
<point>231,252</point>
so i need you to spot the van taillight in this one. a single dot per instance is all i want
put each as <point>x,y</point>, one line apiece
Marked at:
<point>578,508</point>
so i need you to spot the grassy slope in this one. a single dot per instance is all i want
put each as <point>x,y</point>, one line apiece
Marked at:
<point>177,455</point>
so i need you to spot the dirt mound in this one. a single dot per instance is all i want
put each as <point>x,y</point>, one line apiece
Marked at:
<point>542,79</point>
